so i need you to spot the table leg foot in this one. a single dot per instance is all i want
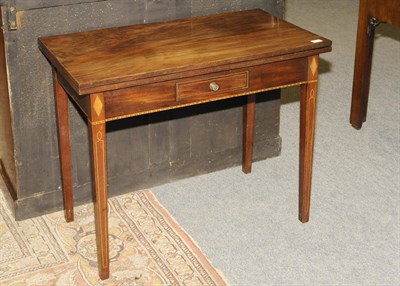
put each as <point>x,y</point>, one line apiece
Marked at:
<point>69,215</point>
<point>104,273</point>
<point>355,126</point>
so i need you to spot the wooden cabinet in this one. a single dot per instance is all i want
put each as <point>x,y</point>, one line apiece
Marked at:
<point>177,143</point>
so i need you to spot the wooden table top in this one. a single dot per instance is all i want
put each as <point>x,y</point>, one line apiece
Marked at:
<point>126,54</point>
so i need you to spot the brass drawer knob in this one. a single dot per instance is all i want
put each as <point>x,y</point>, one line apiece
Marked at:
<point>214,86</point>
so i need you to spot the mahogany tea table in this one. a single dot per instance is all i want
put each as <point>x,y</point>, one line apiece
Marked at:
<point>129,71</point>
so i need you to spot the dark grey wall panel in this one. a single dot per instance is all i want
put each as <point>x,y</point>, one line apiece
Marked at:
<point>36,4</point>
<point>143,151</point>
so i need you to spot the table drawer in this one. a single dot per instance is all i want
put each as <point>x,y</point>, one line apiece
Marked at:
<point>212,86</point>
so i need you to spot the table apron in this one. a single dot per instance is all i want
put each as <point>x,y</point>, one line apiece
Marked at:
<point>143,99</point>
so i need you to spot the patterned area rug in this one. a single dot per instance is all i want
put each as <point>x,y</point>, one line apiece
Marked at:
<point>147,247</point>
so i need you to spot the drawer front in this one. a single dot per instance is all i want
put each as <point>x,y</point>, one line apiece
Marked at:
<point>212,86</point>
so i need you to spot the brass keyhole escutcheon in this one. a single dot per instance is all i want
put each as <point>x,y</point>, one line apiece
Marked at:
<point>214,86</point>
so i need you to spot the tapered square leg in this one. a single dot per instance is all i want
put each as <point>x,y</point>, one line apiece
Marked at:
<point>362,66</point>
<point>98,155</point>
<point>308,102</point>
<point>61,99</point>
<point>249,112</point>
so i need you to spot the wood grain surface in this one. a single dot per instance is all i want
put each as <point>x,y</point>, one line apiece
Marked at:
<point>308,109</point>
<point>64,143</point>
<point>109,56</point>
<point>165,95</point>
<point>387,11</point>
<point>7,160</point>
